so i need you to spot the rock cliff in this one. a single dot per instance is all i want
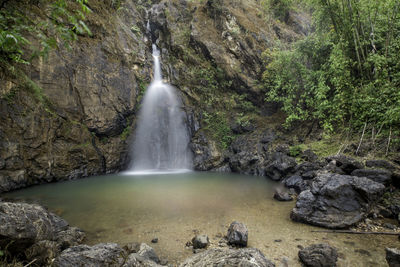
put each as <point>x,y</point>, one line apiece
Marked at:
<point>71,114</point>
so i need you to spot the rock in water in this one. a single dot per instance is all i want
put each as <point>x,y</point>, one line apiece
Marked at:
<point>250,257</point>
<point>200,241</point>
<point>319,255</point>
<point>237,234</point>
<point>393,257</point>
<point>109,254</point>
<point>282,195</point>
<point>336,201</point>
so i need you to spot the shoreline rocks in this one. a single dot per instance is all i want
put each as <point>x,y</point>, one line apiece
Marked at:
<point>237,234</point>
<point>319,255</point>
<point>228,257</point>
<point>336,201</point>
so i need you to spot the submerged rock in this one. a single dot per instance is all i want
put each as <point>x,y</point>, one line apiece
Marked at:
<point>393,257</point>
<point>237,234</point>
<point>200,241</point>
<point>319,255</point>
<point>228,257</point>
<point>336,201</point>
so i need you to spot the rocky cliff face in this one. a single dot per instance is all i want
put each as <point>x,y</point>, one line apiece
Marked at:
<point>72,114</point>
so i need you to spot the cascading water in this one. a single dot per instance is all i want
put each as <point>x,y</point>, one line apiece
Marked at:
<point>161,140</point>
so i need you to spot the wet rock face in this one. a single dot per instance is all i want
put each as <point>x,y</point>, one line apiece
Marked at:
<point>87,99</point>
<point>346,164</point>
<point>228,257</point>
<point>237,234</point>
<point>319,255</point>
<point>336,201</point>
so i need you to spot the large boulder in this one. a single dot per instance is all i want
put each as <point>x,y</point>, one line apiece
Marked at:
<point>336,201</point>
<point>393,257</point>
<point>319,255</point>
<point>109,254</point>
<point>22,225</point>
<point>250,257</point>
<point>379,176</point>
<point>237,234</point>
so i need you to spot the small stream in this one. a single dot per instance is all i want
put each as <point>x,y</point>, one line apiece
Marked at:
<point>174,207</point>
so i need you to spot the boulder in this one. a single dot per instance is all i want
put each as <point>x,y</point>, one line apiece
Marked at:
<point>228,257</point>
<point>380,164</point>
<point>281,166</point>
<point>237,234</point>
<point>393,257</point>
<point>379,176</point>
<point>336,201</point>
<point>347,164</point>
<point>282,195</point>
<point>22,225</point>
<point>104,254</point>
<point>297,183</point>
<point>148,253</point>
<point>200,241</point>
<point>319,255</point>
<point>309,155</point>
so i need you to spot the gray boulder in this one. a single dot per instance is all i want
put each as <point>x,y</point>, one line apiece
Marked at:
<point>393,257</point>
<point>380,163</point>
<point>297,183</point>
<point>148,253</point>
<point>336,201</point>
<point>319,255</point>
<point>282,195</point>
<point>379,176</point>
<point>22,225</point>
<point>346,164</point>
<point>249,257</point>
<point>200,241</point>
<point>237,234</point>
<point>109,254</point>
<point>280,167</point>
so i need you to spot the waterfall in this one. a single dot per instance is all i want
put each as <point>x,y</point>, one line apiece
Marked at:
<point>161,140</point>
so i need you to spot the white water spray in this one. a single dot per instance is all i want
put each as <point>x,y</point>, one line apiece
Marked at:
<point>161,140</point>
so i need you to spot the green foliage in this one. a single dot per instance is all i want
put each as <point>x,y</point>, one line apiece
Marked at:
<point>125,133</point>
<point>344,74</point>
<point>295,151</point>
<point>279,8</point>
<point>217,125</point>
<point>64,24</point>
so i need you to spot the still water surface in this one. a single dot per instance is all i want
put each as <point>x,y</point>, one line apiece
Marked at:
<point>174,207</point>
